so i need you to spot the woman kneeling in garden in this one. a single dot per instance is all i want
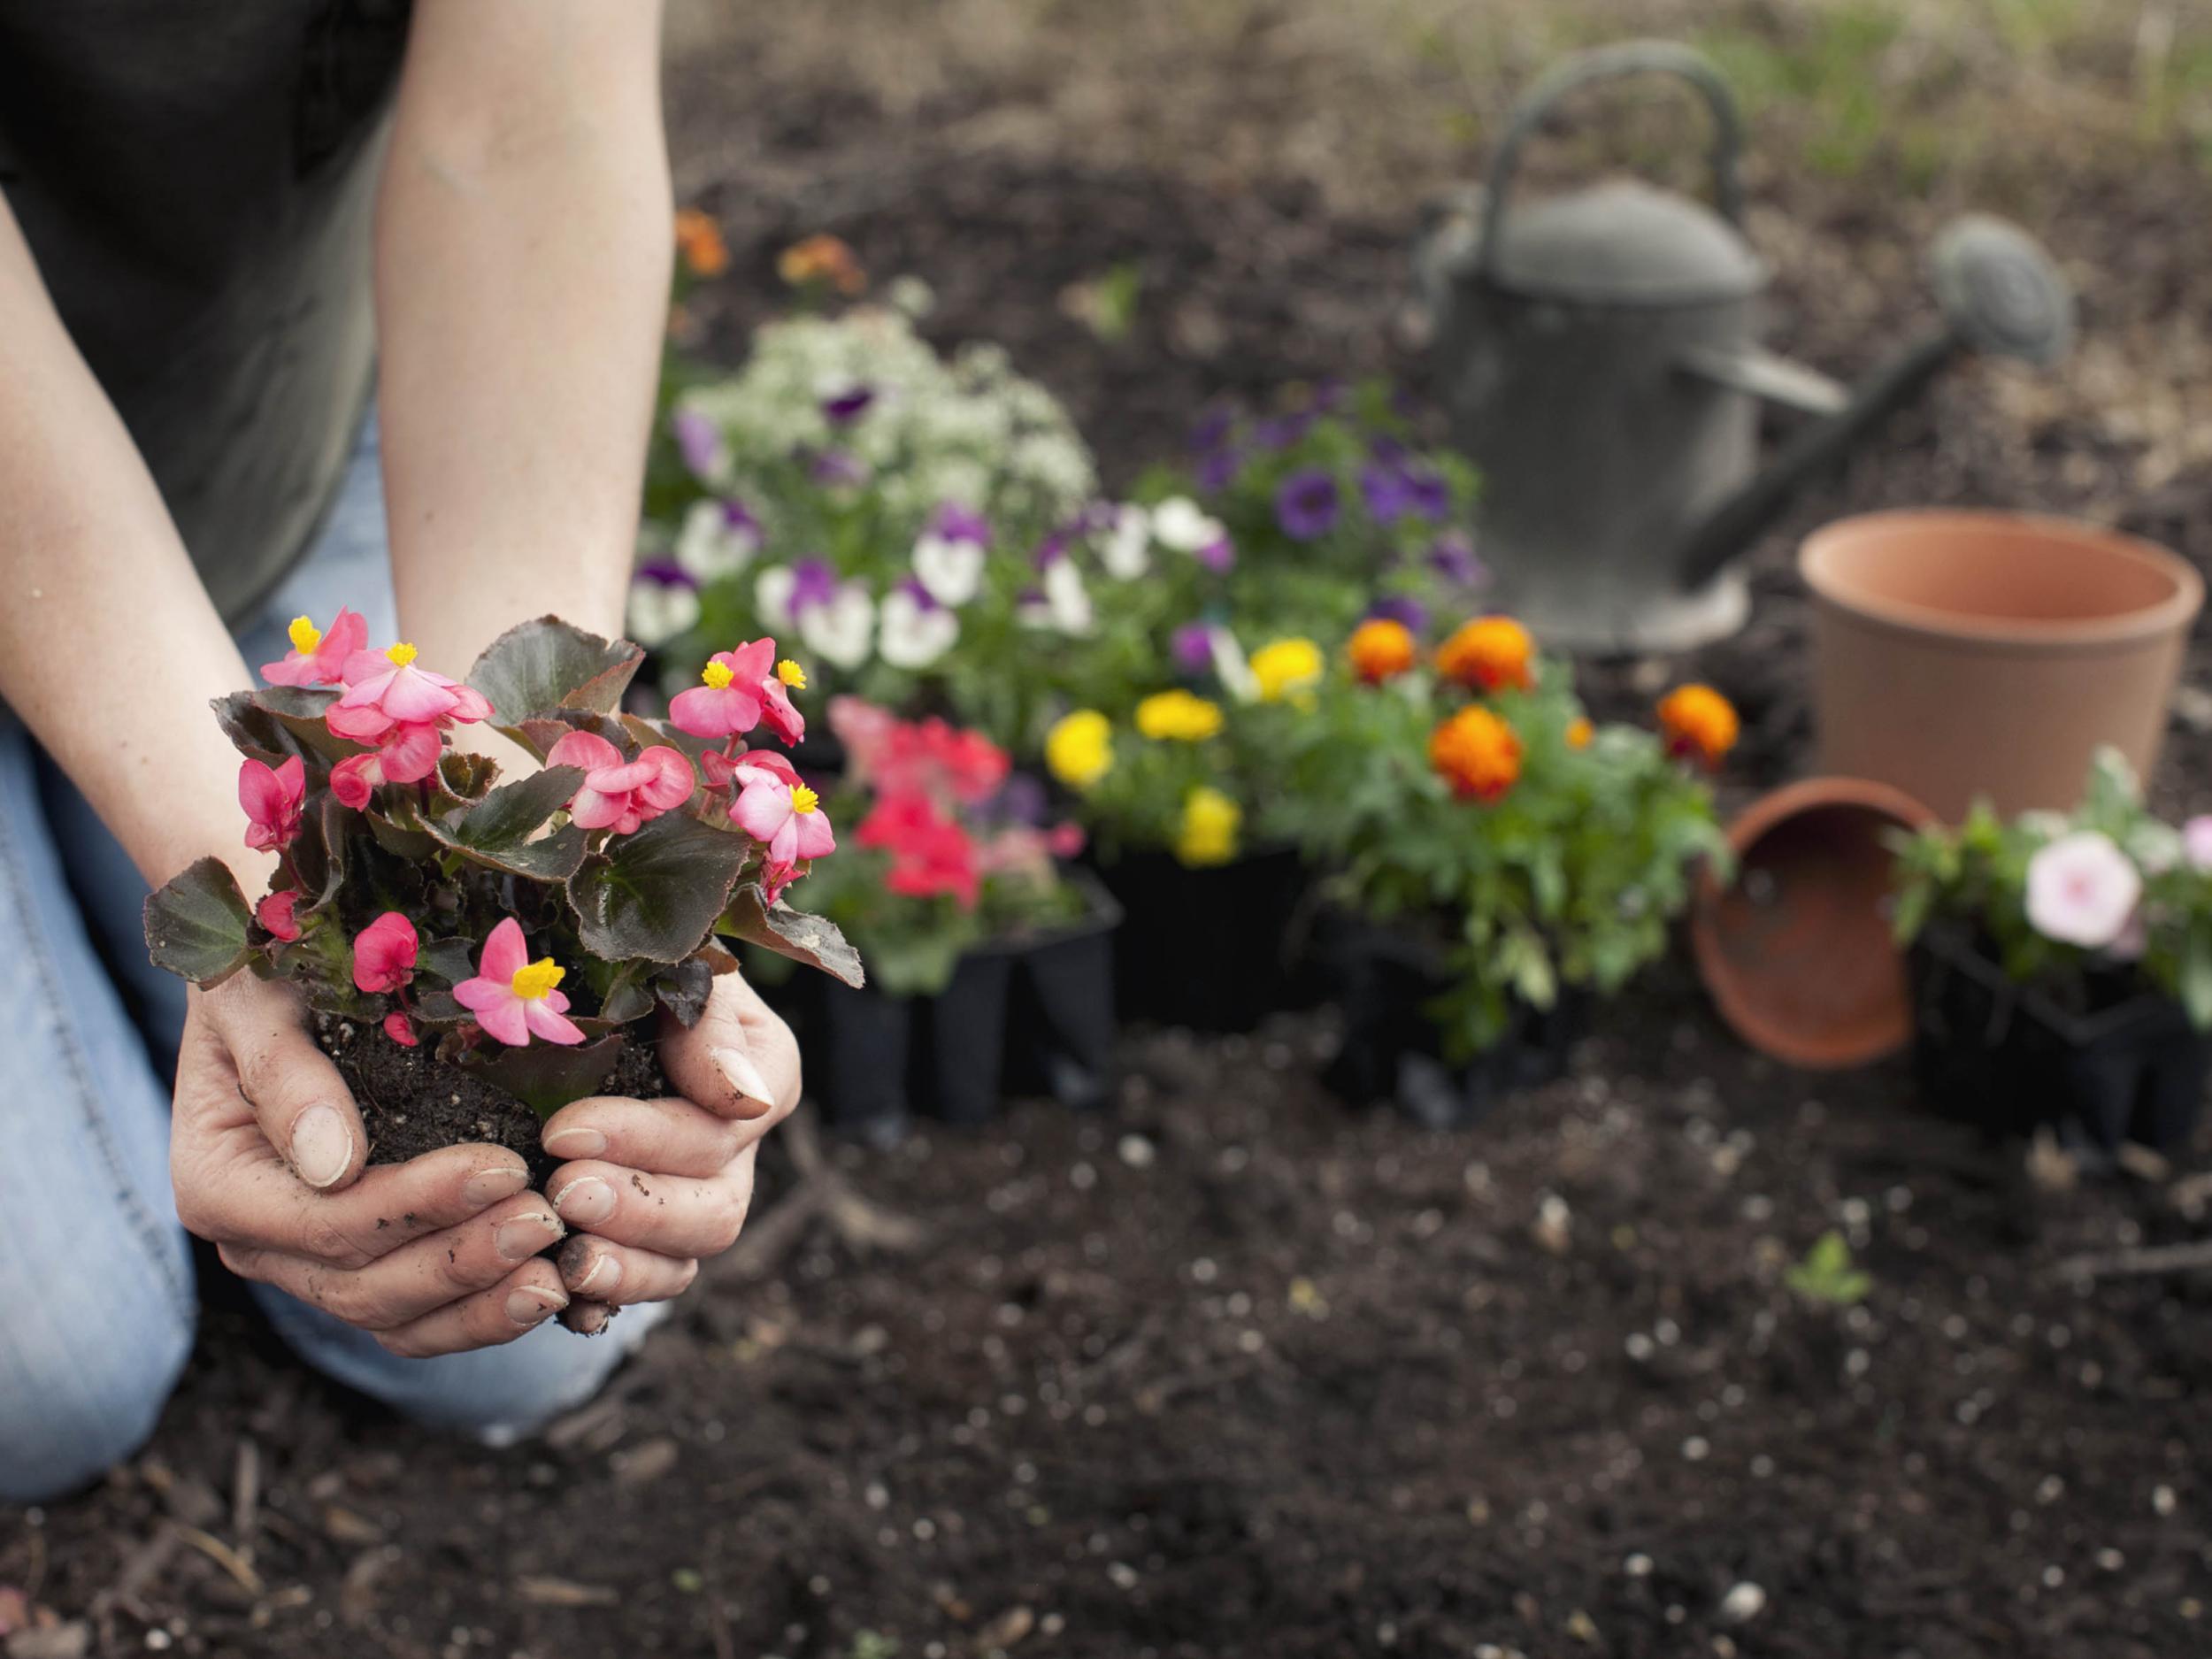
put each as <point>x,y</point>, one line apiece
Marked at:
<point>187,321</point>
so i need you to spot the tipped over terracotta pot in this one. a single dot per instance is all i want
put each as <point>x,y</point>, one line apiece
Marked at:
<point>1798,951</point>
<point>1962,654</point>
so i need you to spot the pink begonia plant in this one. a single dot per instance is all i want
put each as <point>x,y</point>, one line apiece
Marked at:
<point>272,797</point>
<point>514,998</point>
<point>408,754</point>
<point>2082,890</point>
<point>787,815</point>
<point>385,953</point>
<point>385,689</point>
<point>740,689</point>
<point>274,912</point>
<point>620,795</point>
<point>317,658</point>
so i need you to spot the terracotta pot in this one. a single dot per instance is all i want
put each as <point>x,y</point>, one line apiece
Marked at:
<point>1797,951</point>
<point>1959,655</point>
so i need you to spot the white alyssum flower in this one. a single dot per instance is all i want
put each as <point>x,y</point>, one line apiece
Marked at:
<point>2082,890</point>
<point>1181,526</point>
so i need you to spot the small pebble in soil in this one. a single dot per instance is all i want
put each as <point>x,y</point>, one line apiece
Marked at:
<point>2161,1500</point>
<point>1136,1152</point>
<point>1697,1449</point>
<point>1636,1566</point>
<point>1744,1602</point>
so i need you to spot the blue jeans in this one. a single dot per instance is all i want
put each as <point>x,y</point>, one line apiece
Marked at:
<point>96,1299</point>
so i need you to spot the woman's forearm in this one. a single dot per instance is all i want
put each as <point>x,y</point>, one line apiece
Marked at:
<point>110,647</point>
<point>522,267</point>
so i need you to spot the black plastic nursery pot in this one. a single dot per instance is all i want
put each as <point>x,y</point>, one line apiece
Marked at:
<point>2008,1058</point>
<point>1213,948</point>
<point>1393,1052</point>
<point>1028,1015</point>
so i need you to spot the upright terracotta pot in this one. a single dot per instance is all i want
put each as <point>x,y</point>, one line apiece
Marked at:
<point>1960,654</point>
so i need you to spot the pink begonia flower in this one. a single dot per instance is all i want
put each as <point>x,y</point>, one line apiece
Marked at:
<point>409,754</point>
<point>742,688</point>
<point>400,1029</point>
<point>385,689</point>
<point>2082,889</point>
<point>274,912</point>
<point>384,953</point>
<point>2196,841</point>
<point>272,798</point>
<point>786,818</point>
<point>317,658</point>
<point>621,794</point>
<point>514,997</point>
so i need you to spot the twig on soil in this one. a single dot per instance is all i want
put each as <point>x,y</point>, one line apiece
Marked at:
<point>823,1194</point>
<point>2161,1258</point>
<point>245,1494</point>
<point>223,1555</point>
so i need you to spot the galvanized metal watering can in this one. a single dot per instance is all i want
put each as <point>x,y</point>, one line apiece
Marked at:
<point>1599,354</point>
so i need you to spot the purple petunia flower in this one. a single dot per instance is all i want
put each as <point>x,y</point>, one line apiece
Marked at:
<point>1306,505</point>
<point>699,440</point>
<point>847,405</point>
<point>1211,429</point>
<point>1219,556</point>
<point>835,468</point>
<point>1219,469</point>
<point>1282,431</point>
<point>1400,608</point>
<point>1193,647</point>
<point>1453,558</point>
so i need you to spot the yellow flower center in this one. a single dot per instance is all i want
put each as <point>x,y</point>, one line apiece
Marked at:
<point>791,674</point>
<point>305,635</point>
<point>804,799</point>
<point>716,674</point>
<point>536,982</point>
<point>402,654</point>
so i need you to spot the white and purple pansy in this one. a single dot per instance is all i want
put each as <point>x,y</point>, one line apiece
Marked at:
<point>949,553</point>
<point>1179,525</point>
<point>845,404</point>
<point>836,620</point>
<point>1059,601</point>
<point>1124,542</point>
<point>914,629</point>
<point>699,442</point>
<point>718,538</point>
<point>663,604</point>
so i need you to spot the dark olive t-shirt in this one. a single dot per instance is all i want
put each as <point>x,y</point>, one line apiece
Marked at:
<point>196,179</point>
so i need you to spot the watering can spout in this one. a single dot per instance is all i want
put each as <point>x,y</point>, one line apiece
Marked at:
<point>2002,297</point>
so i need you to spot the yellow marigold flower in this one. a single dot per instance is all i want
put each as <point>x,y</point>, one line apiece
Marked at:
<point>1284,668</point>
<point>825,259</point>
<point>1382,648</point>
<point>1208,832</point>
<point>1699,722</point>
<point>1579,732</point>
<point>699,243</point>
<point>1079,748</point>
<point>1477,753</point>
<point>1489,653</point>
<point>1177,717</point>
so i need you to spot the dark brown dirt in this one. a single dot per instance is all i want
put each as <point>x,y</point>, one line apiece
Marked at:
<point>413,1102</point>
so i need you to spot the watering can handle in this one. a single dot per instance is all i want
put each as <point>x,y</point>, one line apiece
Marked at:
<point>1607,63</point>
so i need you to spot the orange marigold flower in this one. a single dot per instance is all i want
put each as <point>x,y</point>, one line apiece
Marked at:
<point>1477,753</point>
<point>1382,648</point>
<point>1489,653</point>
<point>699,242</point>
<point>822,258</point>
<point>1579,732</point>
<point>1699,722</point>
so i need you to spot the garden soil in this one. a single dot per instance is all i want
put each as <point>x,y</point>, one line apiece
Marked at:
<point>1229,1371</point>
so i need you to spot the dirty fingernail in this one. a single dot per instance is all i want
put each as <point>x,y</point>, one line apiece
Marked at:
<point>585,1201</point>
<point>525,1236</point>
<point>530,1304</point>
<point>603,1281</point>
<point>576,1143</point>
<point>322,1146</point>
<point>489,1187</point>
<point>744,1076</point>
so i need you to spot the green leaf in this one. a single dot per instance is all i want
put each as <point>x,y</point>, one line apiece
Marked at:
<point>538,667</point>
<point>2196,977</point>
<point>684,989</point>
<point>280,721</point>
<point>655,894</point>
<point>547,1076</point>
<point>196,925</point>
<point>497,831</point>
<point>811,940</point>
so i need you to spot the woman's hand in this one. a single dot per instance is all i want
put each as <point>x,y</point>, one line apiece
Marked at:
<point>651,1186</point>
<point>435,1255</point>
